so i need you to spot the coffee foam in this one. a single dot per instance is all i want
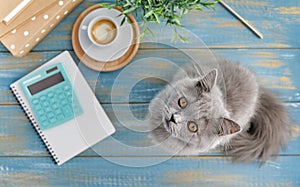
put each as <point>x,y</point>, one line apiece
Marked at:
<point>103,31</point>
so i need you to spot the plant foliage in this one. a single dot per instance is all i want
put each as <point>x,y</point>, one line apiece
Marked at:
<point>169,12</point>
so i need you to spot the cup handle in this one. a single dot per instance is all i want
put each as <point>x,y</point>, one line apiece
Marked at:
<point>84,27</point>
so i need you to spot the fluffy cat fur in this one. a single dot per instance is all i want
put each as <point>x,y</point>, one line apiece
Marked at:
<point>226,106</point>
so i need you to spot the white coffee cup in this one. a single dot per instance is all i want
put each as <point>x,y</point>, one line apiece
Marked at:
<point>102,31</point>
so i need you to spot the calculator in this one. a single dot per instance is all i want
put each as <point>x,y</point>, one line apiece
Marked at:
<point>51,96</point>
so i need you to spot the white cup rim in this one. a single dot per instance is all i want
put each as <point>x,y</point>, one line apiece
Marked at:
<point>94,20</point>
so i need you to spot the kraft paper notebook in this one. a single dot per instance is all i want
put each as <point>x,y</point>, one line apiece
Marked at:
<point>32,8</point>
<point>62,108</point>
<point>21,38</point>
<point>11,9</point>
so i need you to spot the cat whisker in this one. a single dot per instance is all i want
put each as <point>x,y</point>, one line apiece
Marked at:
<point>167,123</point>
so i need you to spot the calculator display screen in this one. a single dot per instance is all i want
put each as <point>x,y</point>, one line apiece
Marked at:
<point>46,83</point>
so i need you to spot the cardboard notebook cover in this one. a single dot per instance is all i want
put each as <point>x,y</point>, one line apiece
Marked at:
<point>26,36</point>
<point>76,135</point>
<point>32,9</point>
<point>7,6</point>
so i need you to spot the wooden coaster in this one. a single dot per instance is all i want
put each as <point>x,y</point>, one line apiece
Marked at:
<point>110,65</point>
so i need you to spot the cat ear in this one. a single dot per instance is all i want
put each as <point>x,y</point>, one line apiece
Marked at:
<point>208,81</point>
<point>227,126</point>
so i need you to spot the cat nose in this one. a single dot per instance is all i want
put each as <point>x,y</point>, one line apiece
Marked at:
<point>172,119</point>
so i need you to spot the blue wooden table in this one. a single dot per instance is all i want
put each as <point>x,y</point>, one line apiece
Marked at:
<point>24,160</point>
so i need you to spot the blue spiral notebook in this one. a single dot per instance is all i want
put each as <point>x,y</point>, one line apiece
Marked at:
<point>62,108</point>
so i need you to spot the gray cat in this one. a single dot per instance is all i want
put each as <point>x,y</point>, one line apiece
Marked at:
<point>225,107</point>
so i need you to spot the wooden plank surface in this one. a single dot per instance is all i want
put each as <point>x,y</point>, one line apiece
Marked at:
<point>194,171</point>
<point>21,139</point>
<point>276,69</point>
<point>24,160</point>
<point>277,20</point>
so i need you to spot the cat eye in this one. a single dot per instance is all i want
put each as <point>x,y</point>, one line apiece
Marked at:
<point>182,102</point>
<point>192,126</point>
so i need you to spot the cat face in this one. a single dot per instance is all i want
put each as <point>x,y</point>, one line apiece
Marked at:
<point>189,113</point>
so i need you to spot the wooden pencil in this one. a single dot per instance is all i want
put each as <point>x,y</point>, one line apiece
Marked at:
<point>253,29</point>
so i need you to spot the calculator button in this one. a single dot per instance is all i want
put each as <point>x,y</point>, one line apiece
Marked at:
<point>50,94</point>
<point>61,96</point>
<point>52,100</point>
<point>67,110</point>
<point>45,123</point>
<point>64,102</point>
<point>48,109</point>
<point>52,120</point>
<point>46,103</point>
<point>40,112</point>
<point>37,107</point>
<point>58,111</point>
<point>54,106</point>
<point>43,118</point>
<point>43,98</point>
<point>68,94</point>
<point>60,117</point>
<point>35,101</point>
<point>50,115</point>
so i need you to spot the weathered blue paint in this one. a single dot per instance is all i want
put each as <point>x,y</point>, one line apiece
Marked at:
<point>24,160</point>
<point>20,139</point>
<point>277,20</point>
<point>277,69</point>
<point>195,171</point>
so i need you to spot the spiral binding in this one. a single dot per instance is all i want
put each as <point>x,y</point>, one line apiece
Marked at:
<point>34,123</point>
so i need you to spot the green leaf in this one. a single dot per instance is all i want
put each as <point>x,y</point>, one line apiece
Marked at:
<point>177,21</point>
<point>109,6</point>
<point>142,36</point>
<point>123,21</point>
<point>183,12</point>
<point>129,10</point>
<point>168,11</point>
<point>183,39</point>
<point>150,31</point>
<point>148,14</point>
<point>156,17</point>
<point>174,38</point>
<point>149,2</point>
